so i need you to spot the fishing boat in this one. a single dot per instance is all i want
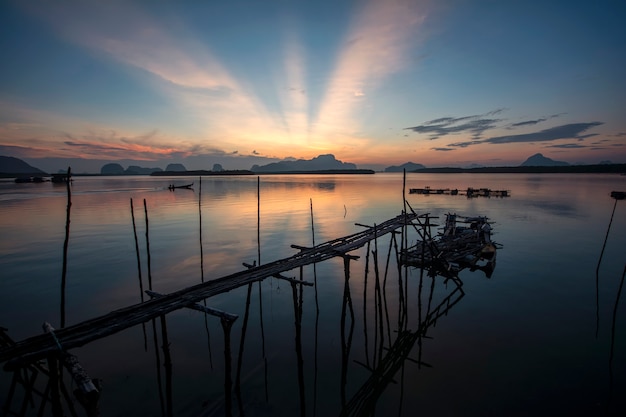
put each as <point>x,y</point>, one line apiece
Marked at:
<point>173,187</point>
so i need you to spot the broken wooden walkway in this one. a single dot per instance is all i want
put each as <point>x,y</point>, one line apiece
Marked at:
<point>38,347</point>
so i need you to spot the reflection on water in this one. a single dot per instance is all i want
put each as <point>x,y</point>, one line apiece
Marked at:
<point>370,335</point>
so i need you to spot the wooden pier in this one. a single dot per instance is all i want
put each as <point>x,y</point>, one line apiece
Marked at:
<point>27,351</point>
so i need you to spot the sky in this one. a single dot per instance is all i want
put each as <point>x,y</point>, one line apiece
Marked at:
<point>373,82</point>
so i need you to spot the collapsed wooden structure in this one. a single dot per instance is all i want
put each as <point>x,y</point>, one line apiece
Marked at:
<point>456,248</point>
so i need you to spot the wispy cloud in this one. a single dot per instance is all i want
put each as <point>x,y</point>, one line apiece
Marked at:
<point>476,125</point>
<point>567,131</point>
<point>568,146</point>
<point>375,48</point>
<point>528,123</point>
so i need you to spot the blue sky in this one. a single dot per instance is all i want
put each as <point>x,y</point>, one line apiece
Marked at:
<point>376,83</point>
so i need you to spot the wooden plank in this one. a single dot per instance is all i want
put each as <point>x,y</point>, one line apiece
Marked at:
<point>203,309</point>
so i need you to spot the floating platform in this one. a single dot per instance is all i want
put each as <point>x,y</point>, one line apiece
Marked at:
<point>469,192</point>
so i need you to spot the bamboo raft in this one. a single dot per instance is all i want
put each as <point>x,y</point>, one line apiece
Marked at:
<point>469,192</point>
<point>32,349</point>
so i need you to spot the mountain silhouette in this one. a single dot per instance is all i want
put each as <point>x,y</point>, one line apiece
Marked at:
<point>10,165</point>
<point>409,166</point>
<point>319,163</point>
<point>538,160</point>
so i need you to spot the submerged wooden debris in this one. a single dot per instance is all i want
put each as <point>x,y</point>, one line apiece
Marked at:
<point>457,247</point>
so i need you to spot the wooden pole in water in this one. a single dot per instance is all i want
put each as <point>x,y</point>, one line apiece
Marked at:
<point>66,243</point>
<point>200,226</point>
<point>132,214</point>
<point>242,342</point>
<point>297,312</point>
<point>317,313</point>
<point>258,239</point>
<point>55,385</point>
<point>346,344</point>
<point>598,271</point>
<point>154,330</point>
<point>206,321</point>
<point>228,402</point>
<point>167,363</point>
<point>145,208</point>
<point>367,262</point>
<point>143,325</point>
<point>619,293</point>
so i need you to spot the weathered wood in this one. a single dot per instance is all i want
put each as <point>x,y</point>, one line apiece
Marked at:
<point>37,347</point>
<point>281,276</point>
<point>204,309</point>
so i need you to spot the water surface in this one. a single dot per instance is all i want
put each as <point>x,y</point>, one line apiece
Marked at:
<point>521,343</point>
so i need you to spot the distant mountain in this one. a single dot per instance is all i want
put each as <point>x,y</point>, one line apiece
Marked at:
<point>409,166</point>
<point>116,169</point>
<point>112,169</point>
<point>538,160</point>
<point>319,163</point>
<point>137,170</point>
<point>175,168</point>
<point>11,165</point>
<point>472,166</point>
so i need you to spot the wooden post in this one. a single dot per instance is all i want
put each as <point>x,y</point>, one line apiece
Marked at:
<point>598,270</point>
<point>65,244</point>
<point>228,401</point>
<point>167,363</point>
<point>297,312</point>
<point>55,385</point>
<point>143,325</point>
<point>145,208</point>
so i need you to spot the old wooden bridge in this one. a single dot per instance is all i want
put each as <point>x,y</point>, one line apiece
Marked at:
<point>38,347</point>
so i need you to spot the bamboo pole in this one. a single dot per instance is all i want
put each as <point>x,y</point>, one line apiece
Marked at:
<point>143,325</point>
<point>145,208</point>
<point>611,352</point>
<point>258,239</point>
<point>206,321</point>
<point>66,243</point>
<point>598,271</point>
<point>297,312</point>
<point>228,402</point>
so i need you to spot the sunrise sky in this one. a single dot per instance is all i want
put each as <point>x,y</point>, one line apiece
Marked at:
<point>374,82</point>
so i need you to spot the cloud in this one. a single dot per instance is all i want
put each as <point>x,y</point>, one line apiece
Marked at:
<point>528,123</point>
<point>375,47</point>
<point>465,144</point>
<point>476,125</point>
<point>442,149</point>
<point>567,131</point>
<point>568,146</point>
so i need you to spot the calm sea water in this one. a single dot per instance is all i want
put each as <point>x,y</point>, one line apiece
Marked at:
<point>520,343</point>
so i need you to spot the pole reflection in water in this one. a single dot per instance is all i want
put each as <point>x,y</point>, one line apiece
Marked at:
<point>346,343</point>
